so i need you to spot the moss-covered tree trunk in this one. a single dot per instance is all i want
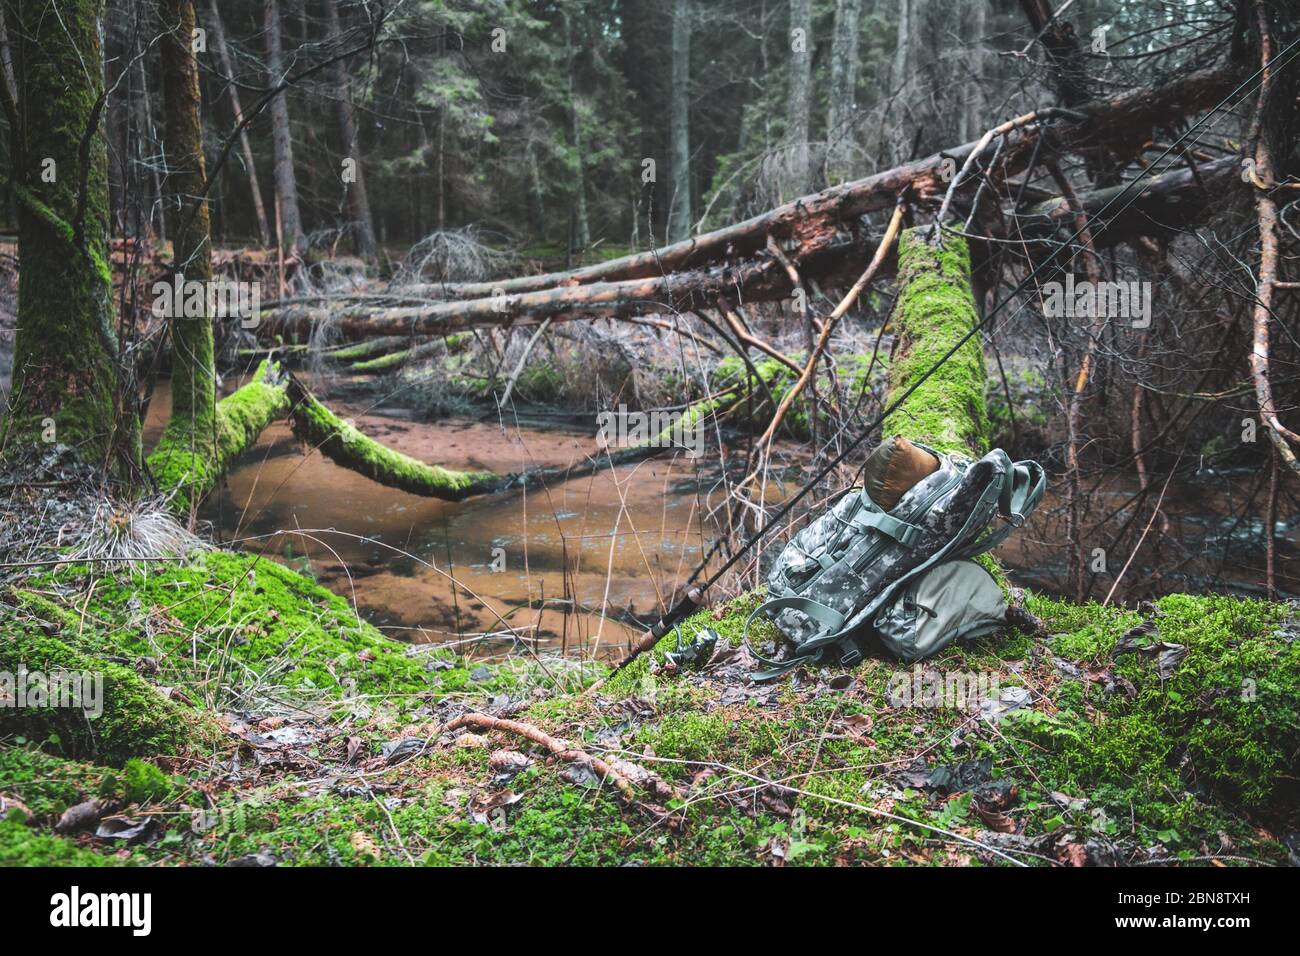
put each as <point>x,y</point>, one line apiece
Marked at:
<point>935,309</point>
<point>65,378</point>
<point>192,431</point>
<point>237,421</point>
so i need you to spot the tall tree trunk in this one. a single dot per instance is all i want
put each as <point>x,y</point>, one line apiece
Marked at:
<point>901,70</point>
<point>646,74</point>
<point>191,432</point>
<point>972,115</point>
<point>147,137</point>
<point>580,236</point>
<point>679,215</point>
<point>286,184</point>
<point>65,373</point>
<point>536,195</point>
<point>245,147</point>
<point>844,80</point>
<point>358,201</point>
<point>798,104</point>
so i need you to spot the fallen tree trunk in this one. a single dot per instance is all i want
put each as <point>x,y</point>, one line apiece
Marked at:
<point>187,468</point>
<point>1120,126</point>
<point>345,445</point>
<point>1168,202</point>
<point>1171,201</point>
<point>755,279</point>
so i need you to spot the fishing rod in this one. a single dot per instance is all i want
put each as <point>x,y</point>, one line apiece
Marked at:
<point>694,597</point>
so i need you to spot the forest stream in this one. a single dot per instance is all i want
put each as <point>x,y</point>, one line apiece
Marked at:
<point>531,566</point>
<point>574,567</point>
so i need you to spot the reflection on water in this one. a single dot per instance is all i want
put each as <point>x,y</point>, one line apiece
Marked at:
<point>542,563</point>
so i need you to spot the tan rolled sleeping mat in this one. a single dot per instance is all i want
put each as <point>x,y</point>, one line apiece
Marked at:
<point>894,467</point>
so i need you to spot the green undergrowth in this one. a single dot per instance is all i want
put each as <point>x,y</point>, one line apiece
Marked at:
<point>1103,758</point>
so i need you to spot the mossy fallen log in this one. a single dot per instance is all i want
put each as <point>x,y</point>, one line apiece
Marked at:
<point>392,361</point>
<point>345,445</point>
<point>368,348</point>
<point>935,310</point>
<point>187,465</point>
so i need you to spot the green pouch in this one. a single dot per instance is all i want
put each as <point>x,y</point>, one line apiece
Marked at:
<point>954,599</point>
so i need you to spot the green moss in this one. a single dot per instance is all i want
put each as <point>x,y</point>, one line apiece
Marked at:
<point>935,310</point>
<point>541,382</point>
<point>367,348</point>
<point>190,463</point>
<point>143,782</point>
<point>382,363</point>
<point>234,611</point>
<point>1226,719</point>
<point>689,736</point>
<point>135,720</point>
<point>730,625</point>
<point>47,784</point>
<point>344,444</point>
<point>22,846</point>
<point>66,349</point>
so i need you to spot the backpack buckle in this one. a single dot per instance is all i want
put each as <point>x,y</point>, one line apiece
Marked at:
<point>851,657</point>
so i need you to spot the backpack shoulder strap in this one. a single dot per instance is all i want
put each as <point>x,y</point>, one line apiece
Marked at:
<point>1022,487</point>
<point>829,623</point>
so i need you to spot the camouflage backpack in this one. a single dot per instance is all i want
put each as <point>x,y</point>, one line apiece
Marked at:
<point>902,576</point>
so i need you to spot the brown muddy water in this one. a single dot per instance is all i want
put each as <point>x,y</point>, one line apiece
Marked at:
<point>573,567</point>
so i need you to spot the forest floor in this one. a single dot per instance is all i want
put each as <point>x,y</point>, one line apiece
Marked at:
<point>250,717</point>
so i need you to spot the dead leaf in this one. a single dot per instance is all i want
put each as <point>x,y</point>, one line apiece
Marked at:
<point>83,816</point>
<point>1075,854</point>
<point>8,804</point>
<point>858,725</point>
<point>133,830</point>
<point>996,821</point>
<point>363,845</point>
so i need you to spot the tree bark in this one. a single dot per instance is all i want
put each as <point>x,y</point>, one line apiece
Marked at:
<point>844,80</point>
<point>1058,39</point>
<point>536,193</point>
<point>65,373</point>
<point>286,182</point>
<point>935,309</point>
<point>194,397</point>
<point>580,235</point>
<point>358,200</point>
<point>245,147</point>
<point>798,105</point>
<point>679,215</point>
<point>972,117</point>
